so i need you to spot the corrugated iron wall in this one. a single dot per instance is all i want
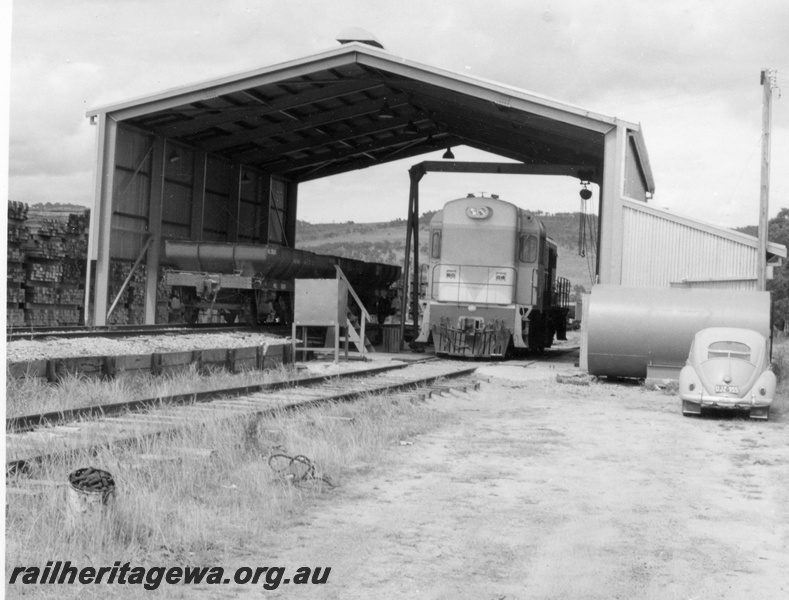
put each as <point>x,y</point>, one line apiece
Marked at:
<point>131,193</point>
<point>658,251</point>
<point>178,193</point>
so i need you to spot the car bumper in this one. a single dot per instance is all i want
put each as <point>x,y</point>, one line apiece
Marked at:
<point>708,401</point>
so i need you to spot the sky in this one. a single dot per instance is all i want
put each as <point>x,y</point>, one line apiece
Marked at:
<point>687,71</point>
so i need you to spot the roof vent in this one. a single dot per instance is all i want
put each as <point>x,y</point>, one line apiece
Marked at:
<point>357,34</point>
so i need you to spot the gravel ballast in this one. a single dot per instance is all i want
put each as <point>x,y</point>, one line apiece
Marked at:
<point>30,350</point>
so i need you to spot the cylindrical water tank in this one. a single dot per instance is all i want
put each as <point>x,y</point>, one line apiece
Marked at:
<point>629,329</point>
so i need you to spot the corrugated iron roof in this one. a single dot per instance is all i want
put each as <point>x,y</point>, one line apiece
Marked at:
<point>357,106</point>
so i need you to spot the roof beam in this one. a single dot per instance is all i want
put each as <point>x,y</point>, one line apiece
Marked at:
<point>522,147</point>
<point>392,142</point>
<point>495,93</point>
<point>338,168</point>
<point>263,153</point>
<point>232,114</point>
<point>537,156</point>
<point>287,73</point>
<point>500,168</point>
<point>317,120</point>
<point>514,124</point>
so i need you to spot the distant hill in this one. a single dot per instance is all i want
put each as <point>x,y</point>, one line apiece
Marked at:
<point>749,229</point>
<point>385,242</point>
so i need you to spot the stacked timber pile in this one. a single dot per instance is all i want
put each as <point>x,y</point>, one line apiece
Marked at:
<point>18,235</point>
<point>47,254</point>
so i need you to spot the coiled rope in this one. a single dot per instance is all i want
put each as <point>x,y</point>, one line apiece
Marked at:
<point>295,469</point>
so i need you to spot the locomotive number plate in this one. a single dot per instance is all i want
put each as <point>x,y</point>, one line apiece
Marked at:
<point>727,389</point>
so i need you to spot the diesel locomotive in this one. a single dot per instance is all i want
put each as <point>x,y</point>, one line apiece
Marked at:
<point>492,285</point>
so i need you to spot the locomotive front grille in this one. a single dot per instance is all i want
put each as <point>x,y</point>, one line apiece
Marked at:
<point>472,339</point>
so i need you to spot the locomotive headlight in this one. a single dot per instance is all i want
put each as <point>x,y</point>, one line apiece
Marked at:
<point>472,308</point>
<point>478,212</point>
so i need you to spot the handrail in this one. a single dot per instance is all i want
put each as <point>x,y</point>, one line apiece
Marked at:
<point>365,316</point>
<point>341,275</point>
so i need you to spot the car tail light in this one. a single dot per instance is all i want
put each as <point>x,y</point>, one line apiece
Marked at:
<point>763,391</point>
<point>692,387</point>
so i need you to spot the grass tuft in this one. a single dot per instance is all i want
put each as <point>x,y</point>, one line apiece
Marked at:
<point>175,509</point>
<point>32,395</point>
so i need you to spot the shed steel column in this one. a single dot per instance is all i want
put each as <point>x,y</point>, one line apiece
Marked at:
<point>108,134</point>
<point>416,289</point>
<point>154,230</point>
<point>416,173</point>
<point>291,201</point>
<point>611,228</point>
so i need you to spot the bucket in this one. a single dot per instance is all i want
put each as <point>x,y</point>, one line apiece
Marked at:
<point>392,338</point>
<point>90,492</point>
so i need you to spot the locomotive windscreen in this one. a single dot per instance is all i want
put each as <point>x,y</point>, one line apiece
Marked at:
<point>479,231</point>
<point>478,247</point>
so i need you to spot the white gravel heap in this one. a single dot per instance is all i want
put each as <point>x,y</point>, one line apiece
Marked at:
<point>29,350</point>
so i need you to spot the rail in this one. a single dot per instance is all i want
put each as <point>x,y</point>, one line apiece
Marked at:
<point>120,331</point>
<point>27,443</point>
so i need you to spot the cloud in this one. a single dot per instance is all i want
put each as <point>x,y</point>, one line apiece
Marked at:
<point>687,71</point>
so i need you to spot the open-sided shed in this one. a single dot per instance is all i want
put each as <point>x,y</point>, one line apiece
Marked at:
<point>222,160</point>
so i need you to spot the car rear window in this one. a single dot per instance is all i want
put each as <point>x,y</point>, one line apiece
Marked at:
<point>729,350</point>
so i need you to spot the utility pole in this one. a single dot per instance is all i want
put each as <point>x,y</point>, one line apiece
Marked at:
<point>768,83</point>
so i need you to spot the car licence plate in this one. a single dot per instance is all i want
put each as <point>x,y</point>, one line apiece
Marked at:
<point>727,389</point>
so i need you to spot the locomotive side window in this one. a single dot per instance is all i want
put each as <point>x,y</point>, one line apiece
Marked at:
<point>435,246</point>
<point>528,249</point>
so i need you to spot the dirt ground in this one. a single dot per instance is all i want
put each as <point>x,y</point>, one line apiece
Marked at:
<point>540,490</point>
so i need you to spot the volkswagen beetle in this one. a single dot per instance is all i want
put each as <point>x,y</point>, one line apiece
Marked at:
<point>728,368</point>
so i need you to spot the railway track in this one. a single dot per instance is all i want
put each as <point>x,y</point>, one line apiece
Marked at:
<point>124,331</point>
<point>33,438</point>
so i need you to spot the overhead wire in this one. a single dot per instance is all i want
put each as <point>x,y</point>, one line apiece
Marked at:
<point>745,166</point>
